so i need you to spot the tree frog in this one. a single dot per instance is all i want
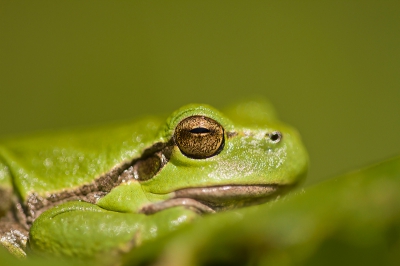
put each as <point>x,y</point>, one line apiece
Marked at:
<point>110,188</point>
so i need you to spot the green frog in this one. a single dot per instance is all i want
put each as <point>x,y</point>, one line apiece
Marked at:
<point>108,188</point>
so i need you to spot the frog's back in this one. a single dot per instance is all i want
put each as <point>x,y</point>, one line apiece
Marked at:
<point>53,162</point>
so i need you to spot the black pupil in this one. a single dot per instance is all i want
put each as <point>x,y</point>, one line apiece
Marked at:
<point>199,130</point>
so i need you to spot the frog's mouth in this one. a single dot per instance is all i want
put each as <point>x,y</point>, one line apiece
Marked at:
<point>218,198</point>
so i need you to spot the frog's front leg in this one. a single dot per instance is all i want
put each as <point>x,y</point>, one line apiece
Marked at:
<point>82,229</point>
<point>13,236</point>
<point>13,226</point>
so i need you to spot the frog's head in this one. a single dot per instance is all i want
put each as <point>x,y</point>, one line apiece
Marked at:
<point>214,162</point>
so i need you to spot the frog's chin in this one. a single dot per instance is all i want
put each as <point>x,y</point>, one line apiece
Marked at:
<point>218,198</point>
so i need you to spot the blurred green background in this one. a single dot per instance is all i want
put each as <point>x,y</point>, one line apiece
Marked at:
<point>331,68</point>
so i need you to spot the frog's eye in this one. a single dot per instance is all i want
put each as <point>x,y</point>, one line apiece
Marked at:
<point>199,137</point>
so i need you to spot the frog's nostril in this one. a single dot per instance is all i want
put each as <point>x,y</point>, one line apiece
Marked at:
<point>275,136</point>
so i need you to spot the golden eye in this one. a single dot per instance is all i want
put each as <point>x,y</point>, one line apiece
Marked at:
<point>199,137</point>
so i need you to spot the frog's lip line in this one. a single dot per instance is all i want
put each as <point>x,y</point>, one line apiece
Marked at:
<point>227,191</point>
<point>159,206</point>
<point>203,199</point>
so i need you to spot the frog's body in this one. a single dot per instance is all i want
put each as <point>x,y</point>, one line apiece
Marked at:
<point>85,191</point>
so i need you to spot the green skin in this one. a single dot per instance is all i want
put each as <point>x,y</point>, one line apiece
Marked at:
<point>76,218</point>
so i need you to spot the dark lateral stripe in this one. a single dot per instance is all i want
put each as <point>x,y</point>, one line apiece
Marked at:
<point>91,192</point>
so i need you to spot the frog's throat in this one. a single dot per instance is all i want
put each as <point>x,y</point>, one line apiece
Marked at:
<point>218,198</point>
